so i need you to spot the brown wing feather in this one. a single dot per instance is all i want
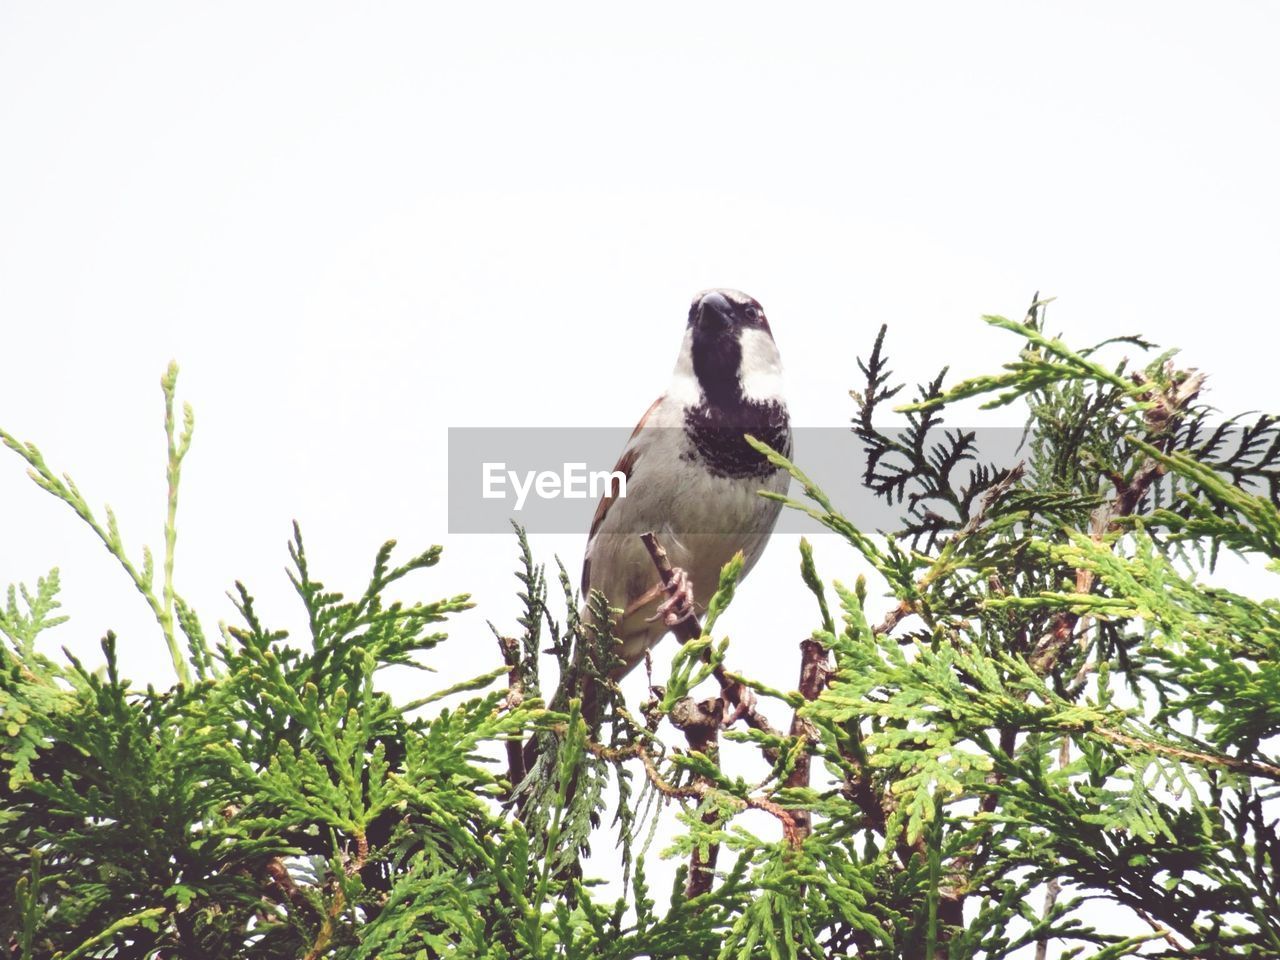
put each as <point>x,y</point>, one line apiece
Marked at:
<point>626,463</point>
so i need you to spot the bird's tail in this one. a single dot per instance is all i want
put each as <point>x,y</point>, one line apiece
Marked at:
<point>536,745</point>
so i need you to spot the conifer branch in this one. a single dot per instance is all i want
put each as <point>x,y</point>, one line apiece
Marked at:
<point>286,805</point>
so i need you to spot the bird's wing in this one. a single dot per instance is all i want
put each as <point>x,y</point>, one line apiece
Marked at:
<point>626,464</point>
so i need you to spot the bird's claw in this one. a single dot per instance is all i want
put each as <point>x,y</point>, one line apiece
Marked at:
<point>678,607</point>
<point>745,704</point>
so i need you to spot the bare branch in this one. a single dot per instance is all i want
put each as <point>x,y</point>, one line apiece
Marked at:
<point>814,676</point>
<point>510,648</point>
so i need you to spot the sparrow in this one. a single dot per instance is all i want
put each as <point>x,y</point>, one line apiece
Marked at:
<point>692,479</point>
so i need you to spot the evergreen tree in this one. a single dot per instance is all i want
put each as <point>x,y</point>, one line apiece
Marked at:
<point>1056,711</point>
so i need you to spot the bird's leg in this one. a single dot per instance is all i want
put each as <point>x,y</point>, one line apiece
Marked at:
<point>678,607</point>
<point>744,702</point>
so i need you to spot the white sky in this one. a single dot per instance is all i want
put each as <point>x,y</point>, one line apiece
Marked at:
<point>358,226</point>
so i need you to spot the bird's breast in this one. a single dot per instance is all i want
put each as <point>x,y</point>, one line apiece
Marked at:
<point>717,438</point>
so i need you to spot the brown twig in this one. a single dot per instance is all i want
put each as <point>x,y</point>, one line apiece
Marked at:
<point>510,647</point>
<point>895,616</point>
<point>700,722</point>
<point>281,879</point>
<point>1163,932</point>
<point>814,676</point>
<point>698,789</point>
<point>1268,771</point>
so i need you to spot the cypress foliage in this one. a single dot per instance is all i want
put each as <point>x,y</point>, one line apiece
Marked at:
<point>1056,711</point>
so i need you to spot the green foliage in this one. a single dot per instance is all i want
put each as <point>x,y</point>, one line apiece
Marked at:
<point>1056,710</point>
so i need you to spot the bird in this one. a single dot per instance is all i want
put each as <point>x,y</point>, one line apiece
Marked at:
<point>691,479</point>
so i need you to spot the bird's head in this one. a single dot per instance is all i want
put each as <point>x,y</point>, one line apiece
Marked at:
<point>729,350</point>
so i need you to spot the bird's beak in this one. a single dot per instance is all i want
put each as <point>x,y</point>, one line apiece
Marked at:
<point>714,312</point>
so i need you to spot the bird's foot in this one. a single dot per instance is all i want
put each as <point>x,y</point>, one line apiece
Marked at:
<point>678,607</point>
<point>744,704</point>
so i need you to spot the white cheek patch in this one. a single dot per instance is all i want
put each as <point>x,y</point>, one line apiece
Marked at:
<point>761,366</point>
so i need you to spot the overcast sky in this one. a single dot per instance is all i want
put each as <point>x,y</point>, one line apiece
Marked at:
<point>357,226</point>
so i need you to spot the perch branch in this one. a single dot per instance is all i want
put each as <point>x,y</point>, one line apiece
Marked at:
<point>691,629</point>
